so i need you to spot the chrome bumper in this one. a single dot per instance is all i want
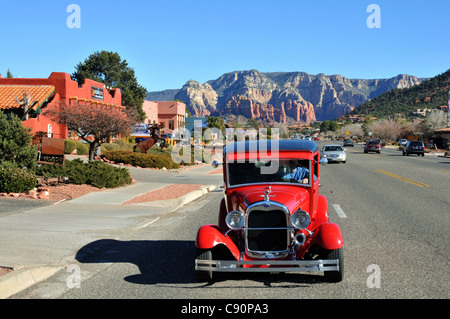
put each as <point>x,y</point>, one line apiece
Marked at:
<point>272,265</point>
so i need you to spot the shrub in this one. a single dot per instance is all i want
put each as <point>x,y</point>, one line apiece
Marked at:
<point>71,145</point>
<point>15,142</point>
<point>94,173</point>
<point>16,180</point>
<point>142,160</point>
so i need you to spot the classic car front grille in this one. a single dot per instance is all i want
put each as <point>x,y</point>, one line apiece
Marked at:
<point>267,230</point>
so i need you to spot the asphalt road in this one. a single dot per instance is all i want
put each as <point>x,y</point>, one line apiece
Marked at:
<point>393,212</point>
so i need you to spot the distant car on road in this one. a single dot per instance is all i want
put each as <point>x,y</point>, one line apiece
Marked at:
<point>349,143</point>
<point>414,147</point>
<point>402,141</point>
<point>334,153</point>
<point>372,146</point>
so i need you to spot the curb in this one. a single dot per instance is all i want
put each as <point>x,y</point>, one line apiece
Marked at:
<point>185,199</point>
<point>21,279</point>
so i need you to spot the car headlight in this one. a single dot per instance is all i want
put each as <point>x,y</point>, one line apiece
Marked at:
<point>235,220</point>
<point>300,219</point>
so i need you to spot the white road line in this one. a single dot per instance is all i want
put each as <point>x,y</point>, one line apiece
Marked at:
<point>339,211</point>
<point>148,224</point>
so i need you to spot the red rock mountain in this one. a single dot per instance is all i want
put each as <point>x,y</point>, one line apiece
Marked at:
<point>284,97</point>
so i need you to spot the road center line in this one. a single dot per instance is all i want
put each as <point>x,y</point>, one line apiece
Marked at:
<point>403,178</point>
<point>339,211</point>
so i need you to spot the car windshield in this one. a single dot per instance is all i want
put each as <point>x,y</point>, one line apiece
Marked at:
<point>332,149</point>
<point>281,171</point>
<point>373,143</point>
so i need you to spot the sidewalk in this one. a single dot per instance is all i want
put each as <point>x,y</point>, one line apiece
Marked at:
<point>39,242</point>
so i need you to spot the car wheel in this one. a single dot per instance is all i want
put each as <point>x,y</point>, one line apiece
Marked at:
<point>203,275</point>
<point>335,276</point>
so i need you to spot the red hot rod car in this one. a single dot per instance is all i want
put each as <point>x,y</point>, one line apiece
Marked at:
<point>272,218</point>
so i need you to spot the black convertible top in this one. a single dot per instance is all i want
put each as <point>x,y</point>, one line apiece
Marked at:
<point>283,145</point>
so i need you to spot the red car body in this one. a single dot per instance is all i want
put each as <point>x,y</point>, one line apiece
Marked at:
<point>267,221</point>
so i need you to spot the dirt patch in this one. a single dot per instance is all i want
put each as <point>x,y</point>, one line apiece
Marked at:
<point>5,270</point>
<point>168,192</point>
<point>70,191</point>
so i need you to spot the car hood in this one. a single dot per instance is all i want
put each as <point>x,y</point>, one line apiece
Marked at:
<point>291,196</point>
<point>334,152</point>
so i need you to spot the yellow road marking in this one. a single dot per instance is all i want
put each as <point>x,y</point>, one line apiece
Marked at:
<point>404,179</point>
<point>445,171</point>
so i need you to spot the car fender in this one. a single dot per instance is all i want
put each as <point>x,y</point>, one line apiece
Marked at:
<point>322,210</point>
<point>329,236</point>
<point>209,236</point>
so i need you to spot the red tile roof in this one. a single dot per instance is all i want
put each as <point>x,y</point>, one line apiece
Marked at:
<point>39,93</point>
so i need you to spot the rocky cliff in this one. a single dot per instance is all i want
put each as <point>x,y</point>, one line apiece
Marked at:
<point>286,97</point>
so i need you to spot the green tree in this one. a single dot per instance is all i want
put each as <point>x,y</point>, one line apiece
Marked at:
<point>329,126</point>
<point>15,143</point>
<point>215,121</point>
<point>108,68</point>
<point>9,74</point>
<point>252,123</point>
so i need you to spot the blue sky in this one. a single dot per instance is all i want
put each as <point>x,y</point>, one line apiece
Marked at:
<point>170,42</point>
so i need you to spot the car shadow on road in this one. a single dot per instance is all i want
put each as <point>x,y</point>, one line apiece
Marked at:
<point>172,262</point>
<point>161,261</point>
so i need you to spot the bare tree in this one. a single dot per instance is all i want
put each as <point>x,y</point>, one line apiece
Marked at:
<point>386,129</point>
<point>91,122</point>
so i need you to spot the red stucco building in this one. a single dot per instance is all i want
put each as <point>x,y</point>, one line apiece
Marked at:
<point>57,88</point>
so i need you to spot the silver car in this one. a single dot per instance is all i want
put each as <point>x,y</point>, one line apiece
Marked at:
<point>334,153</point>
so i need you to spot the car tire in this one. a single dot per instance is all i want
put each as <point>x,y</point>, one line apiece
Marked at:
<point>202,275</point>
<point>335,276</point>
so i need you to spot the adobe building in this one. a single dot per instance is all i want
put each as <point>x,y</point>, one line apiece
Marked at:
<point>57,88</point>
<point>169,114</point>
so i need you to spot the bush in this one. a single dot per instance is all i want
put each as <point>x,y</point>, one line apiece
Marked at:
<point>142,160</point>
<point>94,173</point>
<point>15,142</point>
<point>16,180</point>
<point>71,145</point>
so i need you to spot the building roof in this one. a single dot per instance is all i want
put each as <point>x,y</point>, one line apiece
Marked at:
<point>39,93</point>
<point>444,130</point>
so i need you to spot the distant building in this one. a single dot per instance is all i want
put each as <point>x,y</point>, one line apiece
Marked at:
<point>171,115</point>
<point>57,88</point>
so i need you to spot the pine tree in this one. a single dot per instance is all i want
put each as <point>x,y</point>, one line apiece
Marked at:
<point>15,143</point>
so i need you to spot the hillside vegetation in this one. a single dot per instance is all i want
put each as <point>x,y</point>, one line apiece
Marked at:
<point>430,94</point>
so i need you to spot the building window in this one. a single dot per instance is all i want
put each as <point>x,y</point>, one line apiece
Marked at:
<point>171,125</point>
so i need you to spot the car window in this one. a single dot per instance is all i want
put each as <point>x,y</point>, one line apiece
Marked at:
<point>332,149</point>
<point>284,171</point>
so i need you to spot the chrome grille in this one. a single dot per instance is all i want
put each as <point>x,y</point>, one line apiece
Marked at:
<point>267,230</point>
